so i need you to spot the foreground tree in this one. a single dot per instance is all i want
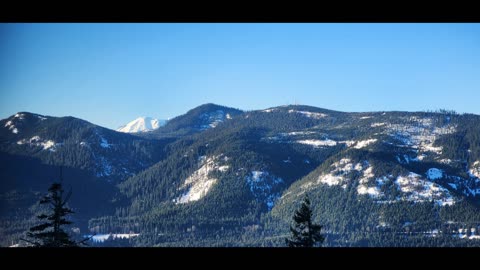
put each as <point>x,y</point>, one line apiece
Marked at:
<point>304,232</point>
<point>50,233</point>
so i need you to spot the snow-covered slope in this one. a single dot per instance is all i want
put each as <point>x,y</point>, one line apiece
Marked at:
<point>142,124</point>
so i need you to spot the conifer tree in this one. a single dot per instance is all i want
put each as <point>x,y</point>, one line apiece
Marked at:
<point>50,233</point>
<point>304,232</point>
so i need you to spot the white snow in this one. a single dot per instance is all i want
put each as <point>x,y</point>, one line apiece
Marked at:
<point>445,161</point>
<point>228,116</point>
<point>331,180</point>
<point>142,124</point>
<point>419,190</point>
<point>223,168</point>
<point>318,143</point>
<point>19,116</point>
<point>41,117</point>
<point>365,143</point>
<point>363,188</point>
<point>100,238</point>
<point>454,186</point>
<point>348,143</point>
<point>434,173</point>
<point>367,174</point>
<point>48,144</point>
<point>104,143</point>
<point>200,182</point>
<point>337,175</point>
<point>105,169</point>
<point>475,170</point>
<point>419,133</point>
<point>372,191</point>
<point>212,119</point>
<point>366,117</point>
<point>407,159</point>
<point>268,110</point>
<point>421,157</point>
<point>309,114</point>
<point>262,185</point>
<point>296,133</point>
<point>11,127</point>
<point>36,141</point>
<point>377,124</point>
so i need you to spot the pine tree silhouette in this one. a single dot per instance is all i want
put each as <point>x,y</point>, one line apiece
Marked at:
<point>50,233</point>
<point>304,232</point>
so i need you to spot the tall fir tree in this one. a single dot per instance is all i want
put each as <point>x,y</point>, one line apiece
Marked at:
<point>304,232</point>
<point>50,233</point>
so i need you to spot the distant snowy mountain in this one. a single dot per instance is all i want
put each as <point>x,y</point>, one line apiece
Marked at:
<point>142,124</point>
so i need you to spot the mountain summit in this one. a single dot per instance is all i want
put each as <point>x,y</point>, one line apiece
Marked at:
<point>142,124</point>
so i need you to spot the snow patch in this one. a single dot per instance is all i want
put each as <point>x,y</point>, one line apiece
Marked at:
<point>11,127</point>
<point>377,124</point>
<point>475,170</point>
<point>309,114</point>
<point>454,186</point>
<point>318,143</point>
<point>365,143</point>
<point>434,174</point>
<point>105,169</point>
<point>419,190</point>
<point>348,143</point>
<point>104,143</point>
<point>366,117</point>
<point>372,191</point>
<point>337,175</point>
<point>36,141</point>
<point>445,161</point>
<point>296,133</point>
<point>263,186</point>
<point>419,133</point>
<point>200,182</point>
<point>223,168</point>
<point>100,238</point>
<point>212,119</point>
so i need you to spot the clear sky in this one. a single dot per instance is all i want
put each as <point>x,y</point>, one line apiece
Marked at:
<point>109,74</point>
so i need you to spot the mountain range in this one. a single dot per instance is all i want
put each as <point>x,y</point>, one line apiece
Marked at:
<point>220,176</point>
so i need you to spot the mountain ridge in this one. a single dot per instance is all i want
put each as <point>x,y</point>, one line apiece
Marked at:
<point>241,176</point>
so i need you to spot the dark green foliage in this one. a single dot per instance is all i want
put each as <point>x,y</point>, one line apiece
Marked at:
<point>304,232</point>
<point>233,213</point>
<point>194,121</point>
<point>51,232</point>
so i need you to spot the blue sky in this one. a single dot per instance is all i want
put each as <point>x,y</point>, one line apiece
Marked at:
<point>110,74</point>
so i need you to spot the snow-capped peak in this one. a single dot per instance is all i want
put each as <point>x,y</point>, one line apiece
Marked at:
<point>142,124</point>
